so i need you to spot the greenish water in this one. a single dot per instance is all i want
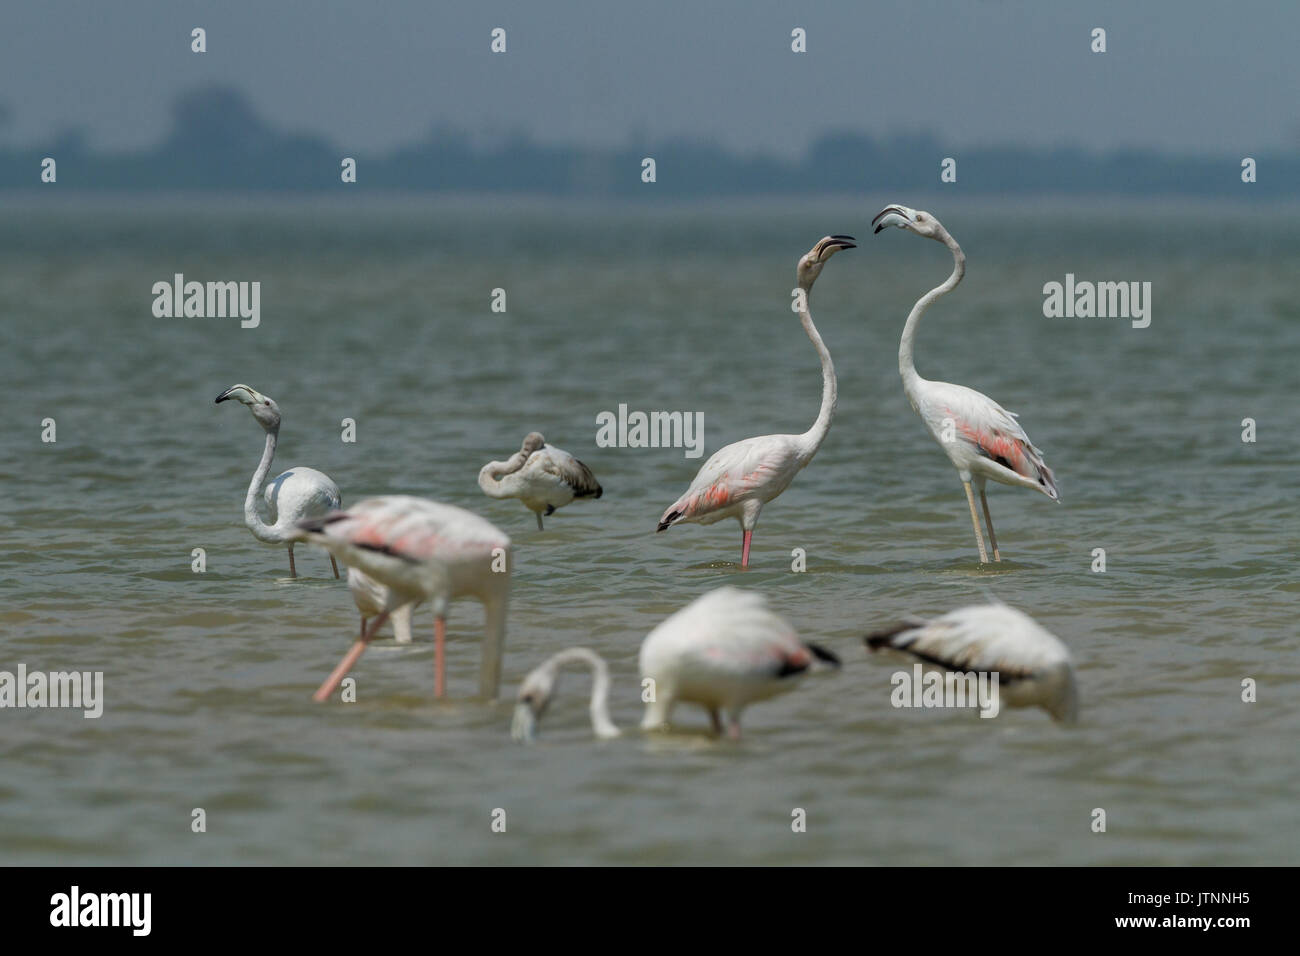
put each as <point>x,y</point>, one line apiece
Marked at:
<point>380,313</point>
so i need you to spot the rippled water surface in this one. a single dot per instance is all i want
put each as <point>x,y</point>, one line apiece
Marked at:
<point>380,313</point>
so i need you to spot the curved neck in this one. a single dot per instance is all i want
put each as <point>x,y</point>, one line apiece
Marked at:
<point>490,475</point>
<point>814,436</point>
<point>601,725</point>
<point>252,518</point>
<point>906,367</point>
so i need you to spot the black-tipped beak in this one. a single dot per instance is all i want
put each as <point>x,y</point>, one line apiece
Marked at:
<point>895,210</point>
<point>223,396</point>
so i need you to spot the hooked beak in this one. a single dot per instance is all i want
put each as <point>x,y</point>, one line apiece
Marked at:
<point>240,393</point>
<point>833,244</point>
<point>893,215</point>
<point>523,728</point>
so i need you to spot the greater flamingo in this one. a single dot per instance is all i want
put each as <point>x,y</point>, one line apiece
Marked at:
<point>292,495</point>
<point>542,476</point>
<point>981,438</point>
<point>1034,668</point>
<point>742,477</point>
<point>421,550</point>
<point>723,651</point>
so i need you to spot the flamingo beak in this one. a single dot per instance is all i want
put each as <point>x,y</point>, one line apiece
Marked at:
<point>523,728</point>
<point>833,244</point>
<point>893,215</point>
<point>241,393</point>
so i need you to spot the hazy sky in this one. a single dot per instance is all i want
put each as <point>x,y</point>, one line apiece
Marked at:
<point>1199,75</point>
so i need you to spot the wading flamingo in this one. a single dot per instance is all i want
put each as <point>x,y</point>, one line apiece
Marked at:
<point>542,476</point>
<point>371,598</point>
<point>1034,668</point>
<point>723,651</point>
<point>742,477</point>
<point>421,550</point>
<point>981,438</point>
<point>292,495</point>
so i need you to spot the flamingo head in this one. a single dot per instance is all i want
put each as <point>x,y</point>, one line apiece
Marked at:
<point>532,442</point>
<point>534,695</point>
<point>810,266</point>
<point>904,217</point>
<point>263,408</point>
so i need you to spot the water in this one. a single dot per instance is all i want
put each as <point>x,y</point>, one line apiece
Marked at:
<point>380,313</point>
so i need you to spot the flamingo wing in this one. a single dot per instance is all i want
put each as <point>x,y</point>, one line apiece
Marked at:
<point>990,637</point>
<point>994,433</point>
<point>414,529</point>
<point>564,468</point>
<point>733,474</point>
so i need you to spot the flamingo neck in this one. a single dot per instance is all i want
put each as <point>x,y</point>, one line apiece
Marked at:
<point>490,475</point>
<point>813,438</point>
<point>494,641</point>
<point>601,724</point>
<point>252,518</point>
<point>906,367</point>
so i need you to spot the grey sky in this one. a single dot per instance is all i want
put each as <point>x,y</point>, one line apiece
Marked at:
<point>1196,75</point>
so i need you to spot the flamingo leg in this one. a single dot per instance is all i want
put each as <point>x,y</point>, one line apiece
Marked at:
<point>975,520</point>
<point>988,521</point>
<point>733,727</point>
<point>439,638</point>
<point>349,659</point>
<point>334,565</point>
<point>744,549</point>
<point>539,521</point>
<point>363,626</point>
<point>716,720</point>
<point>293,572</point>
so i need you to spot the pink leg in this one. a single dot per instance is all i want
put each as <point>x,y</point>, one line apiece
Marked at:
<point>334,565</point>
<point>363,626</point>
<point>439,637</point>
<point>744,550</point>
<point>733,728</point>
<point>349,659</point>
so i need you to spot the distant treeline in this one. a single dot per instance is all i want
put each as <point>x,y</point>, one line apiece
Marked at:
<point>218,142</point>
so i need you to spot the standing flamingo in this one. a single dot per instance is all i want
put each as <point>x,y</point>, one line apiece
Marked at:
<point>722,651</point>
<point>421,550</point>
<point>742,477</point>
<point>371,598</point>
<point>1034,668</point>
<point>981,438</point>
<point>542,476</point>
<point>292,495</point>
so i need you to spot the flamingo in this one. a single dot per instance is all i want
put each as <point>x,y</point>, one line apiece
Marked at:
<point>723,651</point>
<point>981,438</point>
<point>421,550</point>
<point>371,598</point>
<point>542,476</point>
<point>293,495</point>
<point>742,477</point>
<point>1034,668</point>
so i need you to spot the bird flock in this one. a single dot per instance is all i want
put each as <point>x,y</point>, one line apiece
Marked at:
<point>726,649</point>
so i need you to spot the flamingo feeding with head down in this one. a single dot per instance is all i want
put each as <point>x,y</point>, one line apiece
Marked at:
<point>742,477</point>
<point>542,476</point>
<point>292,495</point>
<point>723,651</point>
<point>371,598</point>
<point>421,550</point>
<point>981,438</point>
<point>1034,668</point>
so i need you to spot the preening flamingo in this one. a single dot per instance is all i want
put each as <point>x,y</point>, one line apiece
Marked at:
<point>742,477</point>
<point>421,550</point>
<point>1034,668</point>
<point>292,495</point>
<point>723,651</point>
<point>981,438</point>
<point>371,598</point>
<point>542,476</point>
